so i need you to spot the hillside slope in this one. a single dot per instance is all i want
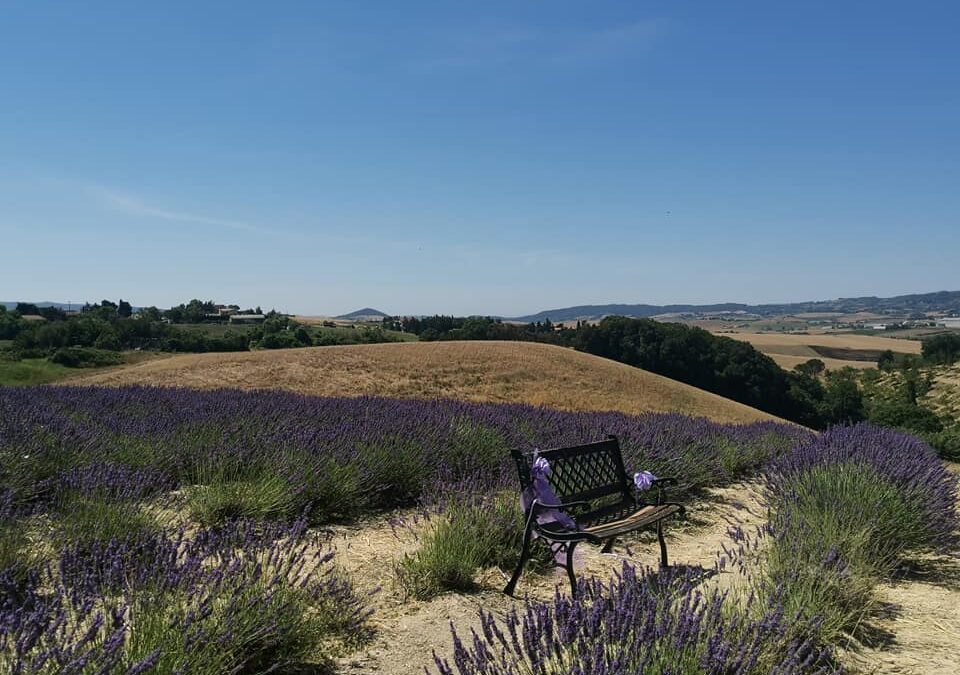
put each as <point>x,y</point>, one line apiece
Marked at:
<point>505,372</point>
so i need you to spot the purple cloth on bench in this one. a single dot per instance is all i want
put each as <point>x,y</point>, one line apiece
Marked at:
<point>541,491</point>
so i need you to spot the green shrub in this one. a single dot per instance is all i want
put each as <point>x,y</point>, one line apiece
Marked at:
<point>82,521</point>
<point>333,490</point>
<point>904,415</point>
<point>258,615</point>
<point>946,443</point>
<point>397,469</point>
<point>474,447</point>
<point>464,539</point>
<point>838,529</point>
<point>85,357</point>
<point>263,497</point>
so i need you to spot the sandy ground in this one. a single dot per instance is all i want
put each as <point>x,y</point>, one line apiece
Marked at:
<point>919,625</point>
<point>408,632</point>
<point>501,372</point>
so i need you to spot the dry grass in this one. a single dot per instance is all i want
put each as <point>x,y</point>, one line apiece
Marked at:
<point>505,372</point>
<point>944,397</point>
<point>783,343</point>
<point>789,349</point>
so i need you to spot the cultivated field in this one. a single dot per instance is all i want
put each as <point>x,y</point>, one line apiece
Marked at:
<point>790,349</point>
<point>503,372</point>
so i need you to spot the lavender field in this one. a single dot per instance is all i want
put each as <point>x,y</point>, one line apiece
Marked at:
<point>176,531</point>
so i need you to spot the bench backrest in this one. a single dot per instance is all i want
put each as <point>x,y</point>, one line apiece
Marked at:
<point>580,473</point>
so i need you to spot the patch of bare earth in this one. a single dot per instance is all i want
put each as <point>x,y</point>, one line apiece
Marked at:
<point>499,372</point>
<point>920,632</point>
<point>920,629</point>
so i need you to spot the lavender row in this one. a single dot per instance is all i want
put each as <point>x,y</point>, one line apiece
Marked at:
<point>129,443</point>
<point>243,598</point>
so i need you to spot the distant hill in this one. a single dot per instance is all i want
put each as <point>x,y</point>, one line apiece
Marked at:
<point>941,301</point>
<point>365,314</point>
<point>502,372</point>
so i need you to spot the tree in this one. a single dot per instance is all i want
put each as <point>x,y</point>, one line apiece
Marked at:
<point>886,360</point>
<point>149,314</point>
<point>27,308</point>
<point>942,349</point>
<point>124,309</point>
<point>842,398</point>
<point>811,368</point>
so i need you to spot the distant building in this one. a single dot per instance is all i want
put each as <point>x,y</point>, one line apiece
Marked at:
<point>947,322</point>
<point>35,318</point>
<point>879,326</point>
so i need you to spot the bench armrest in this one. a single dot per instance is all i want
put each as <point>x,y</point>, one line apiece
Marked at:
<point>658,483</point>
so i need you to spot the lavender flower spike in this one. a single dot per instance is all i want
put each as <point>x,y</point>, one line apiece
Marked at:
<point>643,480</point>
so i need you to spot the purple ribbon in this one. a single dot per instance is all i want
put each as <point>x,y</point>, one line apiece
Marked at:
<point>541,491</point>
<point>643,480</point>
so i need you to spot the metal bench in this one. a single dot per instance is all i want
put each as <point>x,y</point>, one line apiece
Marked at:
<point>593,488</point>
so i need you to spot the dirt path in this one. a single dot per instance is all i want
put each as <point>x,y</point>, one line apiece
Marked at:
<point>922,623</point>
<point>920,628</point>
<point>922,620</point>
<point>408,632</point>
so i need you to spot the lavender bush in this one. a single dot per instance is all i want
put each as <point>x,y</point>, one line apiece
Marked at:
<point>242,599</point>
<point>330,457</point>
<point>83,468</point>
<point>642,623</point>
<point>846,509</point>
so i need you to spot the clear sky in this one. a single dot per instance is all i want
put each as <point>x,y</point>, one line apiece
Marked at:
<point>478,157</point>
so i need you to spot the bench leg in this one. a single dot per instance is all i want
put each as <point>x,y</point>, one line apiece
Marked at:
<point>570,574</point>
<point>663,544</point>
<point>524,554</point>
<point>607,547</point>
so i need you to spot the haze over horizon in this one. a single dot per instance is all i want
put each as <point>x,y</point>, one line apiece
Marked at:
<point>502,158</point>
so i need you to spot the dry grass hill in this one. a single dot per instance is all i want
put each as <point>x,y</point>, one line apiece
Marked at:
<point>514,372</point>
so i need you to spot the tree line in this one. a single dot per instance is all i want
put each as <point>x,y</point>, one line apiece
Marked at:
<point>94,335</point>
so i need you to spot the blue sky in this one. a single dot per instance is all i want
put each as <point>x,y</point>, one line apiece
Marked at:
<point>490,158</point>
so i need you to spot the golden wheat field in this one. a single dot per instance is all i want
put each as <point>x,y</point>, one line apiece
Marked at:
<point>790,349</point>
<point>503,372</point>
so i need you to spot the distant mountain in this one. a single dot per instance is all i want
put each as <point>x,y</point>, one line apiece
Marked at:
<point>941,301</point>
<point>365,314</point>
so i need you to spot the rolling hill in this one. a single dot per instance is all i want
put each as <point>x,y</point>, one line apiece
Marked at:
<point>365,314</point>
<point>503,372</point>
<point>920,302</point>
